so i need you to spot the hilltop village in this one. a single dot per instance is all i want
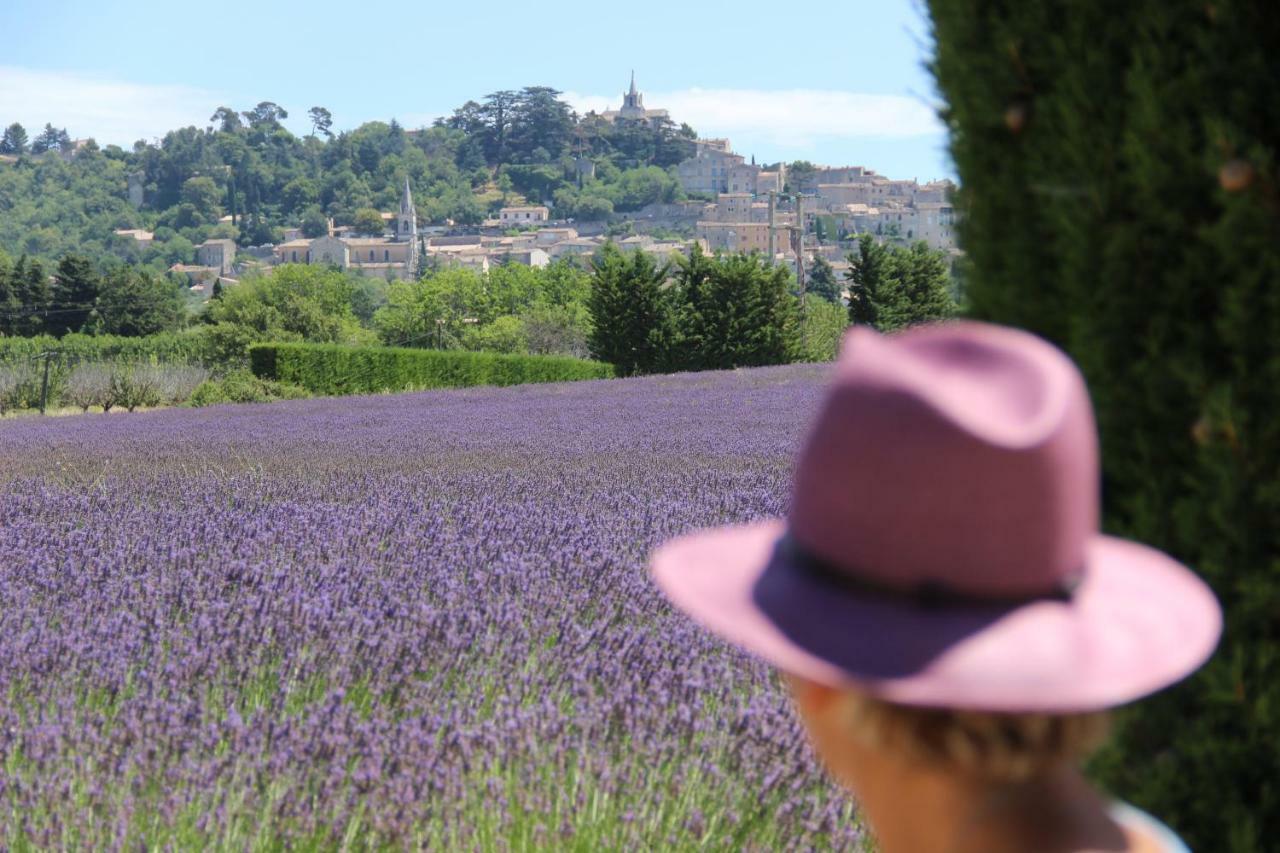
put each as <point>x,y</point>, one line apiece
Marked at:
<point>718,198</point>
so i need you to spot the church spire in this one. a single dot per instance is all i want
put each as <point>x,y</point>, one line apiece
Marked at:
<point>406,198</point>
<point>632,93</point>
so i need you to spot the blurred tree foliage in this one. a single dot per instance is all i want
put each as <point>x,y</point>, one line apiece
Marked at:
<point>1119,171</point>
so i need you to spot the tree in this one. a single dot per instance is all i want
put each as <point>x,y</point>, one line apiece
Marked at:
<point>799,175</point>
<point>867,275</point>
<point>315,223</point>
<point>135,302</point>
<point>265,114</point>
<point>74,297</point>
<point>321,121</point>
<point>821,329</point>
<point>631,317</point>
<point>1155,268</point>
<point>24,298</point>
<point>49,139</point>
<point>296,302</point>
<point>734,311</point>
<point>369,221</point>
<point>204,197</point>
<point>228,120</point>
<point>822,281</point>
<point>540,122</point>
<point>14,140</point>
<point>925,286</point>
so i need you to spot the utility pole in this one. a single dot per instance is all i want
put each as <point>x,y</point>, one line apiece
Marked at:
<point>773,226</point>
<point>44,382</point>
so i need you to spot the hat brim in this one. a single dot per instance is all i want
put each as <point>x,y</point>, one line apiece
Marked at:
<point>1138,622</point>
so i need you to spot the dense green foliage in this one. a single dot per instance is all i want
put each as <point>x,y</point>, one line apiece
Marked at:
<point>337,370</point>
<point>709,313</point>
<point>822,282</point>
<point>632,322</point>
<point>1119,166</point>
<point>892,287</point>
<point>512,308</point>
<point>120,300</point>
<point>822,328</point>
<point>248,166</point>
<point>296,302</point>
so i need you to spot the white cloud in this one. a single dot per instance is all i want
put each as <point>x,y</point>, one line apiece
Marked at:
<point>790,118</point>
<point>110,111</point>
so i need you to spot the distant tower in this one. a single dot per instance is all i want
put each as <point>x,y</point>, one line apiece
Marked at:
<point>633,102</point>
<point>136,188</point>
<point>407,225</point>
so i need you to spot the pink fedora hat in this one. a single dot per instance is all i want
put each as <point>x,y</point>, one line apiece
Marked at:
<point>942,546</point>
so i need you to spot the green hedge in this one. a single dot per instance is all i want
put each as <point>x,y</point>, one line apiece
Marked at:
<point>332,369</point>
<point>181,347</point>
<point>1120,194</point>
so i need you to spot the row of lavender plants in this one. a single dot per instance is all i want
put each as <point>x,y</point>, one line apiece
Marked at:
<point>25,383</point>
<point>420,620</point>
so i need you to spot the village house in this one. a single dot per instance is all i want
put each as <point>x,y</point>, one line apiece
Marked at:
<point>220,254</point>
<point>736,236</point>
<point>715,169</point>
<point>526,215</point>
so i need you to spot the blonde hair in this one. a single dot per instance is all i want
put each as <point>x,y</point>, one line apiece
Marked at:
<point>998,747</point>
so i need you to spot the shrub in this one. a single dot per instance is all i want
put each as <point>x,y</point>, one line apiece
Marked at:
<point>241,386</point>
<point>1119,165</point>
<point>88,385</point>
<point>133,386</point>
<point>177,382</point>
<point>14,378</point>
<point>335,370</point>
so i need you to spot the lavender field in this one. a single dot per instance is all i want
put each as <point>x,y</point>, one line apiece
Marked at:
<point>396,621</point>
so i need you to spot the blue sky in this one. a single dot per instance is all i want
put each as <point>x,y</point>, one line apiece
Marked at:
<point>842,84</point>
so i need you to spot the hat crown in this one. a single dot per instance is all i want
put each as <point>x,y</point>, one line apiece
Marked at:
<point>958,457</point>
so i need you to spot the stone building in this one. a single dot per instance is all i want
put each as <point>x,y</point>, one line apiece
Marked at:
<point>715,169</point>
<point>707,171</point>
<point>526,215</point>
<point>220,254</point>
<point>737,236</point>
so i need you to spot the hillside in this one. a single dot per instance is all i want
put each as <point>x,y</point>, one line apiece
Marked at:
<point>247,177</point>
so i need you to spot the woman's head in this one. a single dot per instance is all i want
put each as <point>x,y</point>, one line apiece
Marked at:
<point>857,735</point>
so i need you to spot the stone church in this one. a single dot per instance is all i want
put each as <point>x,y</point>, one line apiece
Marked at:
<point>394,256</point>
<point>633,108</point>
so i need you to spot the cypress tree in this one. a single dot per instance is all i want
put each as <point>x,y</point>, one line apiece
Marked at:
<point>866,275</point>
<point>630,313</point>
<point>32,290</point>
<point>75,293</point>
<point>1118,167</point>
<point>822,281</point>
